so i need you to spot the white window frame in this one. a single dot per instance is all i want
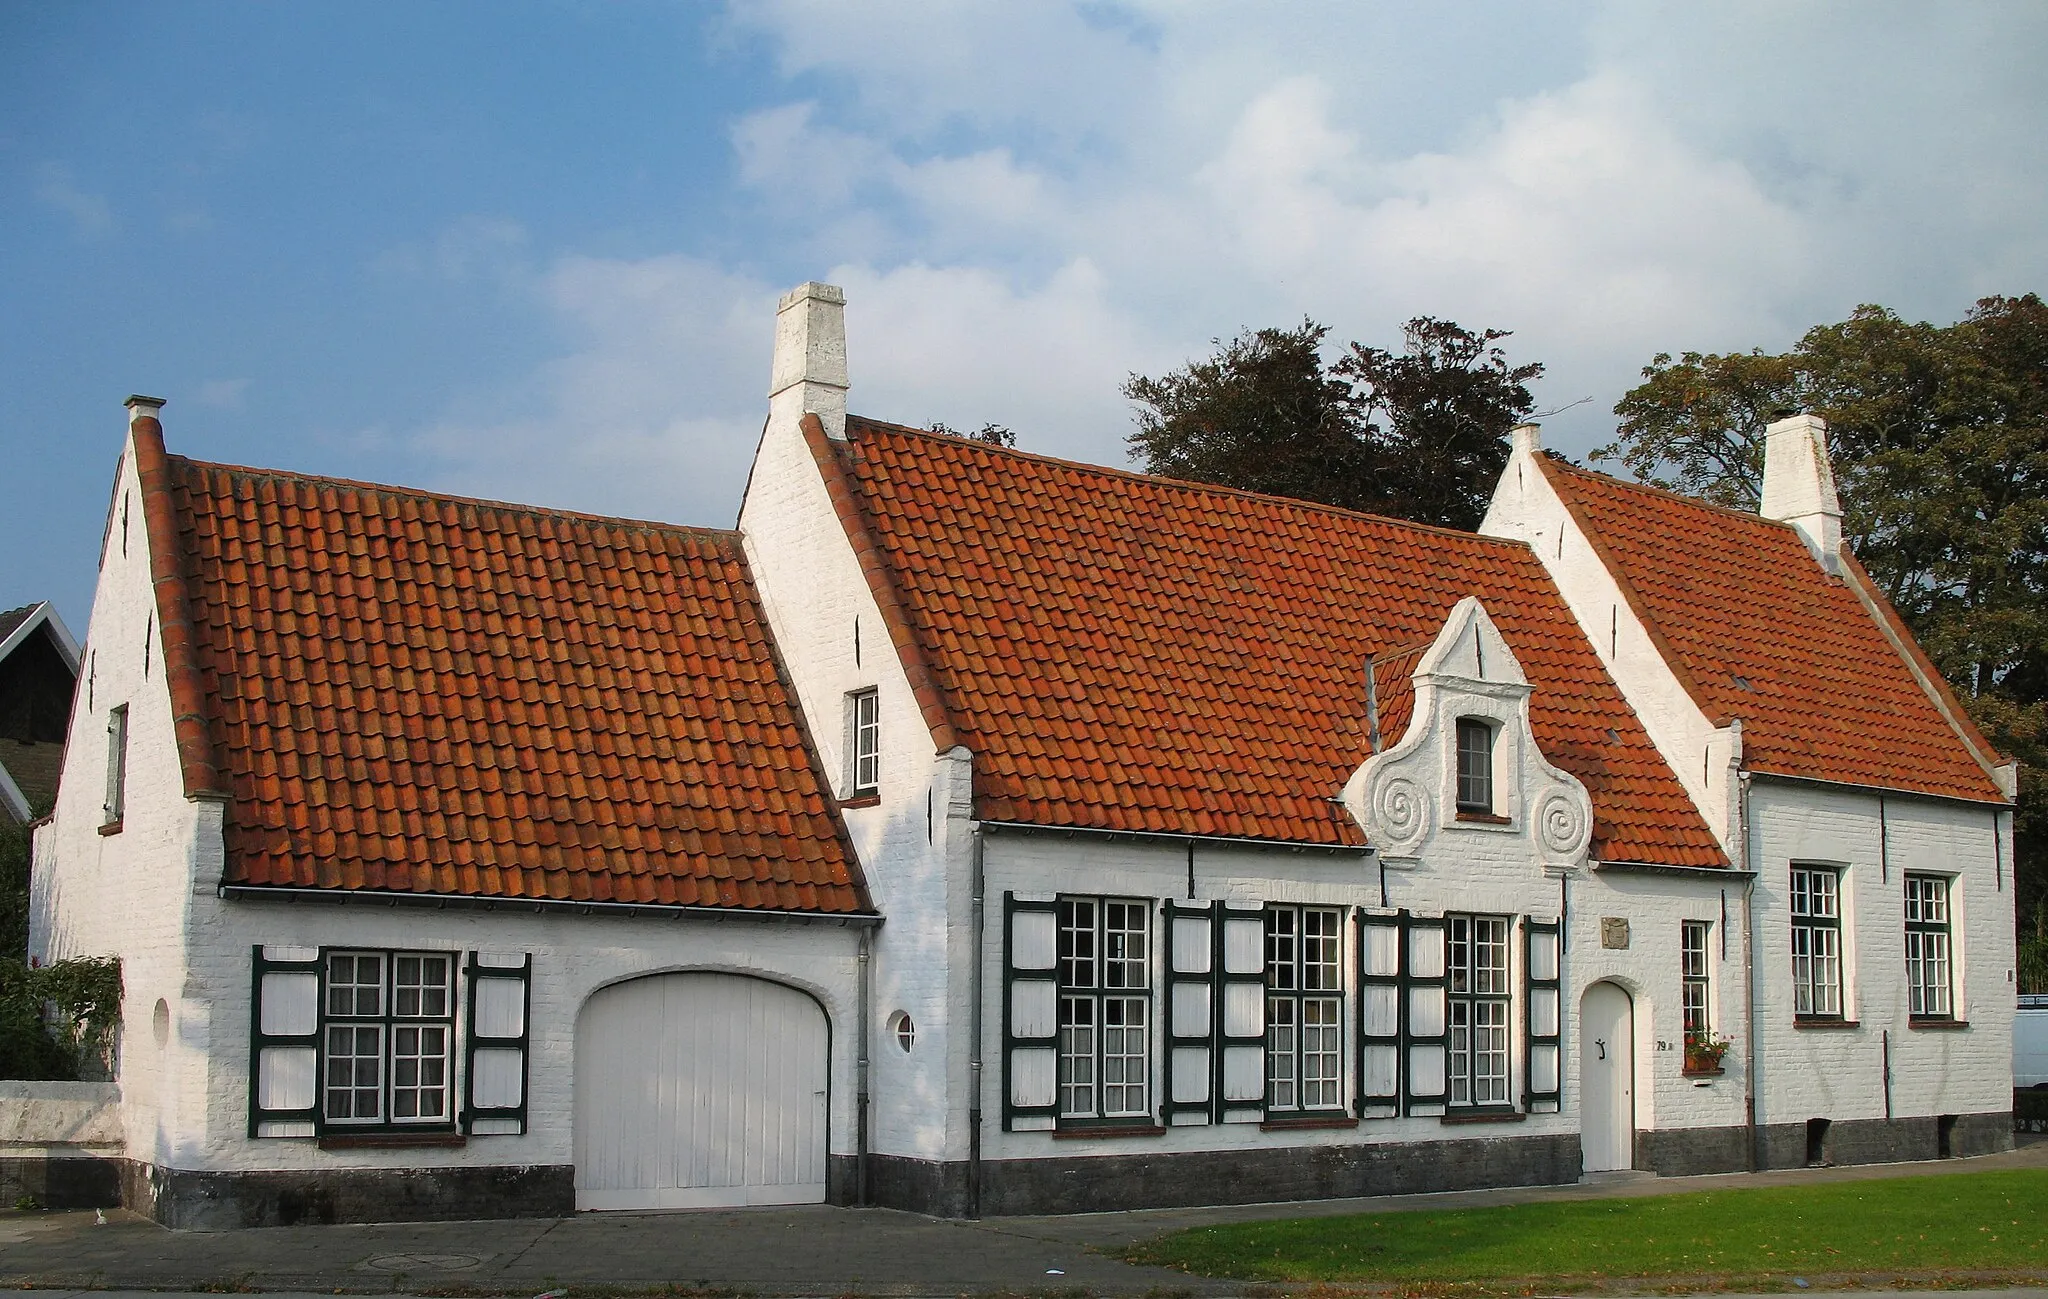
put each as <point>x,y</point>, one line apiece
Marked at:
<point>1696,978</point>
<point>1818,990</point>
<point>392,1024</point>
<point>864,743</point>
<point>1484,779</point>
<point>1105,1010</point>
<point>1481,1015</point>
<point>1305,1047</point>
<point>1930,948</point>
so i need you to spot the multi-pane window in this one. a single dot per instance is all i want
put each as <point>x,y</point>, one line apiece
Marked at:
<point>388,1037</point>
<point>1816,942</point>
<point>1475,765</point>
<point>1927,948</point>
<point>864,722</point>
<point>1104,955</point>
<point>1304,1008</point>
<point>1693,976</point>
<point>1476,952</point>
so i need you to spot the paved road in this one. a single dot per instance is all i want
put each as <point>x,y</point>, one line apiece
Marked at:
<point>809,1250</point>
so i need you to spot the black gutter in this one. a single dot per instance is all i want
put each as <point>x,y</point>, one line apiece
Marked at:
<point>1689,872</point>
<point>462,902</point>
<point>1164,837</point>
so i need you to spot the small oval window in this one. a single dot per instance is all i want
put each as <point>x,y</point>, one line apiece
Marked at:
<point>903,1031</point>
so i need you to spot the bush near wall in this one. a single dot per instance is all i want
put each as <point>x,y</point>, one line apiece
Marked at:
<point>57,1021</point>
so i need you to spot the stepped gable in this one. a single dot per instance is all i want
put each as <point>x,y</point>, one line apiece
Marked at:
<point>1827,681</point>
<point>1132,653</point>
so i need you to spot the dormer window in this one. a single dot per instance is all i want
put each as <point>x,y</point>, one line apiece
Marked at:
<point>1475,766</point>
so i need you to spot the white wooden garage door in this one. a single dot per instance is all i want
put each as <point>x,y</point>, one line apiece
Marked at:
<point>699,1090</point>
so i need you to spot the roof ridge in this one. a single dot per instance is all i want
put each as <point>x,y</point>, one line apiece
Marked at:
<point>1133,475</point>
<point>1667,493</point>
<point>481,502</point>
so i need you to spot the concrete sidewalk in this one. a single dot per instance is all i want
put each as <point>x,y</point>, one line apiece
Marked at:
<point>809,1250</point>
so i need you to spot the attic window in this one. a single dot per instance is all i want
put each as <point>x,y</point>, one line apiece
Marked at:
<point>1475,765</point>
<point>117,767</point>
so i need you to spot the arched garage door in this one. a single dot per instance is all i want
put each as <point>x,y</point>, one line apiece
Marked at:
<point>697,1090</point>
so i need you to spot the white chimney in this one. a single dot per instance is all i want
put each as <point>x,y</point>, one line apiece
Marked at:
<point>809,375</point>
<point>141,407</point>
<point>1799,486</point>
<point>1527,437</point>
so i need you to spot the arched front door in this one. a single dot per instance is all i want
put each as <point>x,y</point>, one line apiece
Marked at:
<point>698,1090</point>
<point>1607,1078</point>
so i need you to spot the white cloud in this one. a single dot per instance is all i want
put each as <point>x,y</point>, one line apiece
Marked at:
<point>222,394</point>
<point>1027,203</point>
<point>58,187</point>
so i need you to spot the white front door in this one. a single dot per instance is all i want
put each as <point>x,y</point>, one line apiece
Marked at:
<point>699,1090</point>
<point>1607,1079</point>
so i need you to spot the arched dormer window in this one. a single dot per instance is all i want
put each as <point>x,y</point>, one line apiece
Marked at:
<point>1475,766</point>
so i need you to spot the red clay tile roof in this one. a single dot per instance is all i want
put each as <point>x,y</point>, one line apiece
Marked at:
<point>412,692</point>
<point>1756,629</point>
<point>1131,653</point>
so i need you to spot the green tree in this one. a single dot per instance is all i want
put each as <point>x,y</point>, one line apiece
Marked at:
<point>1940,441</point>
<point>1420,435</point>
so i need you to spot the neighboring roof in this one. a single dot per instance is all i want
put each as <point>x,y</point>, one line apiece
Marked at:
<point>402,691</point>
<point>12,619</point>
<point>1755,628</point>
<point>1131,653</point>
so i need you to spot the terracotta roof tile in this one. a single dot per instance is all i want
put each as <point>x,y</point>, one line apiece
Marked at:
<point>1131,653</point>
<point>1758,630</point>
<point>417,693</point>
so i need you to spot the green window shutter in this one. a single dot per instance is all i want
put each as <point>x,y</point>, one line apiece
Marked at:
<point>1543,1041</point>
<point>1425,1014</point>
<point>1240,1014</point>
<point>284,1042</point>
<point>1031,1014</point>
<point>499,1016</point>
<point>1190,1013</point>
<point>1379,1014</point>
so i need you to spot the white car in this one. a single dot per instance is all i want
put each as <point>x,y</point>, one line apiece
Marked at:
<point>2030,1042</point>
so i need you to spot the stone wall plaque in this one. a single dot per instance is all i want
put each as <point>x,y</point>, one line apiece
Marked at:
<point>1614,932</point>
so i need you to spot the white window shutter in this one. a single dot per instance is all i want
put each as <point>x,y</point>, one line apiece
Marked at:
<point>1030,1015</point>
<point>499,1021</point>
<point>284,1042</point>
<point>1190,1013</point>
<point>1241,1014</point>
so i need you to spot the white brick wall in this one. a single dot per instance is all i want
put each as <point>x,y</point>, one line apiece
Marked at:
<point>915,844</point>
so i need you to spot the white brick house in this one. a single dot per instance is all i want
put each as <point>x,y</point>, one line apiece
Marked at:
<point>1093,840</point>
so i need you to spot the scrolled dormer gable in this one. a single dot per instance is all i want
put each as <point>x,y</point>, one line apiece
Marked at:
<point>1468,765</point>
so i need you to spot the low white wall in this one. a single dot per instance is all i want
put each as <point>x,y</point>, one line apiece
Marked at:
<point>60,1118</point>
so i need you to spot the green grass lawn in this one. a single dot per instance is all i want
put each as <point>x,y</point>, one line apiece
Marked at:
<point>1993,1221</point>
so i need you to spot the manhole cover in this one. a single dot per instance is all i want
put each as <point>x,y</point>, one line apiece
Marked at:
<point>423,1262</point>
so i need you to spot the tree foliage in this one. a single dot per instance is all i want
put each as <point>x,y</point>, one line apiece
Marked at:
<point>1418,435</point>
<point>58,1020</point>
<point>1940,442</point>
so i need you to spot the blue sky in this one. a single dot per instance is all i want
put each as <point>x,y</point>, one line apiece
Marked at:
<point>531,250</point>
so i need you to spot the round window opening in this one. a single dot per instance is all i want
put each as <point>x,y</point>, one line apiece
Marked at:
<point>903,1031</point>
<point>160,1022</point>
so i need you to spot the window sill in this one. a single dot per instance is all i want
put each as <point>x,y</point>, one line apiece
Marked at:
<point>1108,1130</point>
<point>391,1140</point>
<point>110,827</point>
<point>1937,1024</point>
<point>1308,1123</point>
<point>1484,1116</point>
<point>861,800</point>
<point>1484,818</point>
<point>1690,1072</point>
<point>1825,1023</point>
